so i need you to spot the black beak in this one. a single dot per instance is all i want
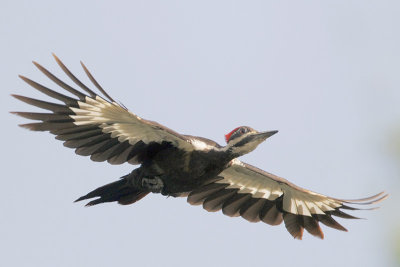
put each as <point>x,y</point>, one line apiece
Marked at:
<point>264,135</point>
<point>255,138</point>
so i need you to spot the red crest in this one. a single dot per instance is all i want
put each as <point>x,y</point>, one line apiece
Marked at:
<point>228,136</point>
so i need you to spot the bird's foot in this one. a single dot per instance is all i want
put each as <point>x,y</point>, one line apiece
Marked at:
<point>154,184</point>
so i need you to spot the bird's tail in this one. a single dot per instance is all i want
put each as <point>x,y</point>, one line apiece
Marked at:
<point>121,191</point>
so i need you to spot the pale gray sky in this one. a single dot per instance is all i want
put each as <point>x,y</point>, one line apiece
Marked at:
<point>324,73</point>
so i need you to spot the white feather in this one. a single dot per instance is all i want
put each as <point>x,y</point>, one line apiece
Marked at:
<point>200,145</point>
<point>124,125</point>
<point>268,186</point>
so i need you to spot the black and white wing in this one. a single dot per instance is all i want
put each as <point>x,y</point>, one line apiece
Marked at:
<point>256,195</point>
<point>97,126</point>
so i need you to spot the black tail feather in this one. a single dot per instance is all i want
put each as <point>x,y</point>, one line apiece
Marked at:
<point>120,191</point>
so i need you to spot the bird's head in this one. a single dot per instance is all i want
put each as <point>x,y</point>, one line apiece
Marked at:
<point>243,140</point>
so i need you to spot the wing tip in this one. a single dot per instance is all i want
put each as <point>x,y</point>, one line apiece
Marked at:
<point>84,198</point>
<point>368,200</point>
<point>57,59</point>
<point>20,97</point>
<point>19,114</point>
<point>321,236</point>
<point>16,96</point>
<point>84,67</point>
<point>27,80</point>
<point>37,65</point>
<point>25,126</point>
<point>299,236</point>
<point>35,126</point>
<point>79,199</point>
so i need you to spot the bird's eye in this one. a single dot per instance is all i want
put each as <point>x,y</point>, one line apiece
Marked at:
<point>243,130</point>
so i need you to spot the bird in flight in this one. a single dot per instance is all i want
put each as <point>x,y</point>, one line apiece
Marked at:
<point>178,165</point>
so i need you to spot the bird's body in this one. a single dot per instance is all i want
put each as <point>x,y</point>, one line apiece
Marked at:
<point>183,171</point>
<point>179,165</point>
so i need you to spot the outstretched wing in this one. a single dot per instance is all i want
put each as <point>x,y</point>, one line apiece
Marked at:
<point>256,195</point>
<point>97,126</point>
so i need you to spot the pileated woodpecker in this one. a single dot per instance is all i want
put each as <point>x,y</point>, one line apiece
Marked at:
<point>178,165</point>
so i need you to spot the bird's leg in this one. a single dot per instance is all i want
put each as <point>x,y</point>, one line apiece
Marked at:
<point>153,184</point>
<point>151,178</point>
<point>147,179</point>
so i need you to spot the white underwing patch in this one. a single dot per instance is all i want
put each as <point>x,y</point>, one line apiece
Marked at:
<point>122,124</point>
<point>200,145</point>
<point>260,186</point>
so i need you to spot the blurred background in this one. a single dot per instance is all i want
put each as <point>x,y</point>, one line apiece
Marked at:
<point>323,73</point>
